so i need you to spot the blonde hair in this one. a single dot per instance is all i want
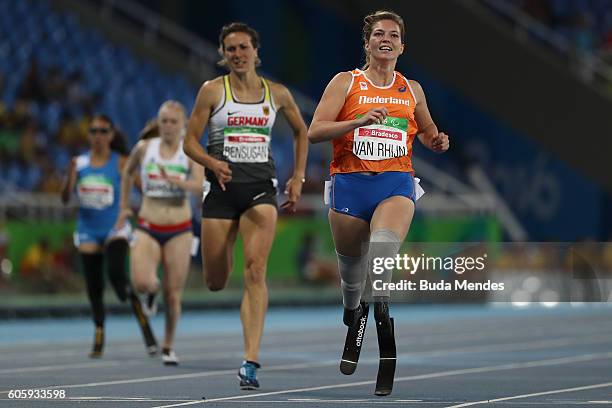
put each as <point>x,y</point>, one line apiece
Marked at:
<point>150,130</point>
<point>368,27</point>
<point>172,104</point>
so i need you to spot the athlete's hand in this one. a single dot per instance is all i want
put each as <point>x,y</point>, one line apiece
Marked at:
<point>440,143</point>
<point>164,175</point>
<point>375,116</point>
<point>124,214</point>
<point>293,190</point>
<point>162,171</point>
<point>222,172</point>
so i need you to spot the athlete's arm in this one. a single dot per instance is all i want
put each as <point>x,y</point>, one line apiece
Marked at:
<point>210,93</point>
<point>286,104</point>
<point>130,166</point>
<point>121,163</point>
<point>69,181</point>
<point>136,177</point>
<point>324,126</point>
<point>428,134</point>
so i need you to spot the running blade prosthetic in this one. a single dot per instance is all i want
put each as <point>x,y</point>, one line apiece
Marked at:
<point>386,348</point>
<point>145,328</point>
<point>354,341</point>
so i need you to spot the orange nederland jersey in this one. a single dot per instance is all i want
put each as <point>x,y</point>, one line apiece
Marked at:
<point>376,148</point>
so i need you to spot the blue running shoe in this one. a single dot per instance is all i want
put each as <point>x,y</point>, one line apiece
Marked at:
<point>248,375</point>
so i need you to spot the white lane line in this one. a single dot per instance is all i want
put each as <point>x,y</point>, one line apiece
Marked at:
<point>116,399</point>
<point>431,353</point>
<point>511,366</point>
<point>200,374</point>
<point>332,401</point>
<point>396,402</point>
<point>201,344</point>
<point>223,339</point>
<point>535,394</point>
<point>61,367</point>
<point>557,341</point>
<point>335,400</point>
<point>528,345</point>
<point>204,343</point>
<point>123,363</point>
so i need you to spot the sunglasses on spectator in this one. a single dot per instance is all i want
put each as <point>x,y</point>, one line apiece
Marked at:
<point>104,131</point>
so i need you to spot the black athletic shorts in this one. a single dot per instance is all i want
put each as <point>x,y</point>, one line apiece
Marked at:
<point>237,198</point>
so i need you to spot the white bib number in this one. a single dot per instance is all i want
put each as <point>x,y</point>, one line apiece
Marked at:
<point>96,196</point>
<point>379,142</point>
<point>246,148</point>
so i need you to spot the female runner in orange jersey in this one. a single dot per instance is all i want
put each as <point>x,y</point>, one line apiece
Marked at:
<point>371,116</point>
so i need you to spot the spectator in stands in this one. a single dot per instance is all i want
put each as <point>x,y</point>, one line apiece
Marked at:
<point>51,180</point>
<point>36,261</point>
<point>28,142</point>
<point>31,88</point>
<point>70,134</point>
<point>55,86</point>
<point>76,94</point>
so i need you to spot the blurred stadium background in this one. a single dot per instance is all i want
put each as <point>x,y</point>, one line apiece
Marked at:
<point>524,89</point>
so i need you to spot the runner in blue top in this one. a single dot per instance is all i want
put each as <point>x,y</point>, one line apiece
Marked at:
<point>96,175</point>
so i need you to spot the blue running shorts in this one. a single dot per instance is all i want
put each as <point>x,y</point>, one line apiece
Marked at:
<point>359,194</point>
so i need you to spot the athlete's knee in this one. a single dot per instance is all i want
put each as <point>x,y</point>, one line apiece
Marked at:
<point>215,283</point>
<point>140,287</point>
<point>384,235</point>
<point>143,285</point>
<point>255,271</point>
<point>216,275</point>
<point>172,299</point>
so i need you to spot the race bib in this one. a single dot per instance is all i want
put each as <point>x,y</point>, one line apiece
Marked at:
<point>95,192</point>
<point>156,184</point>
<point>381,142</point>
<point>246,145</point>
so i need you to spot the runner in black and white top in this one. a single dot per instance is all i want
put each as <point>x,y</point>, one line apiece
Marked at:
<point>240,109</point>
<point>239,132</point>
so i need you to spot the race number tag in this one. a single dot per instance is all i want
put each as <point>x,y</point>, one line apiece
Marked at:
<point>246,145</point>
<point>381,142</point>
<point>95,192</point>
<point>156,183</point>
